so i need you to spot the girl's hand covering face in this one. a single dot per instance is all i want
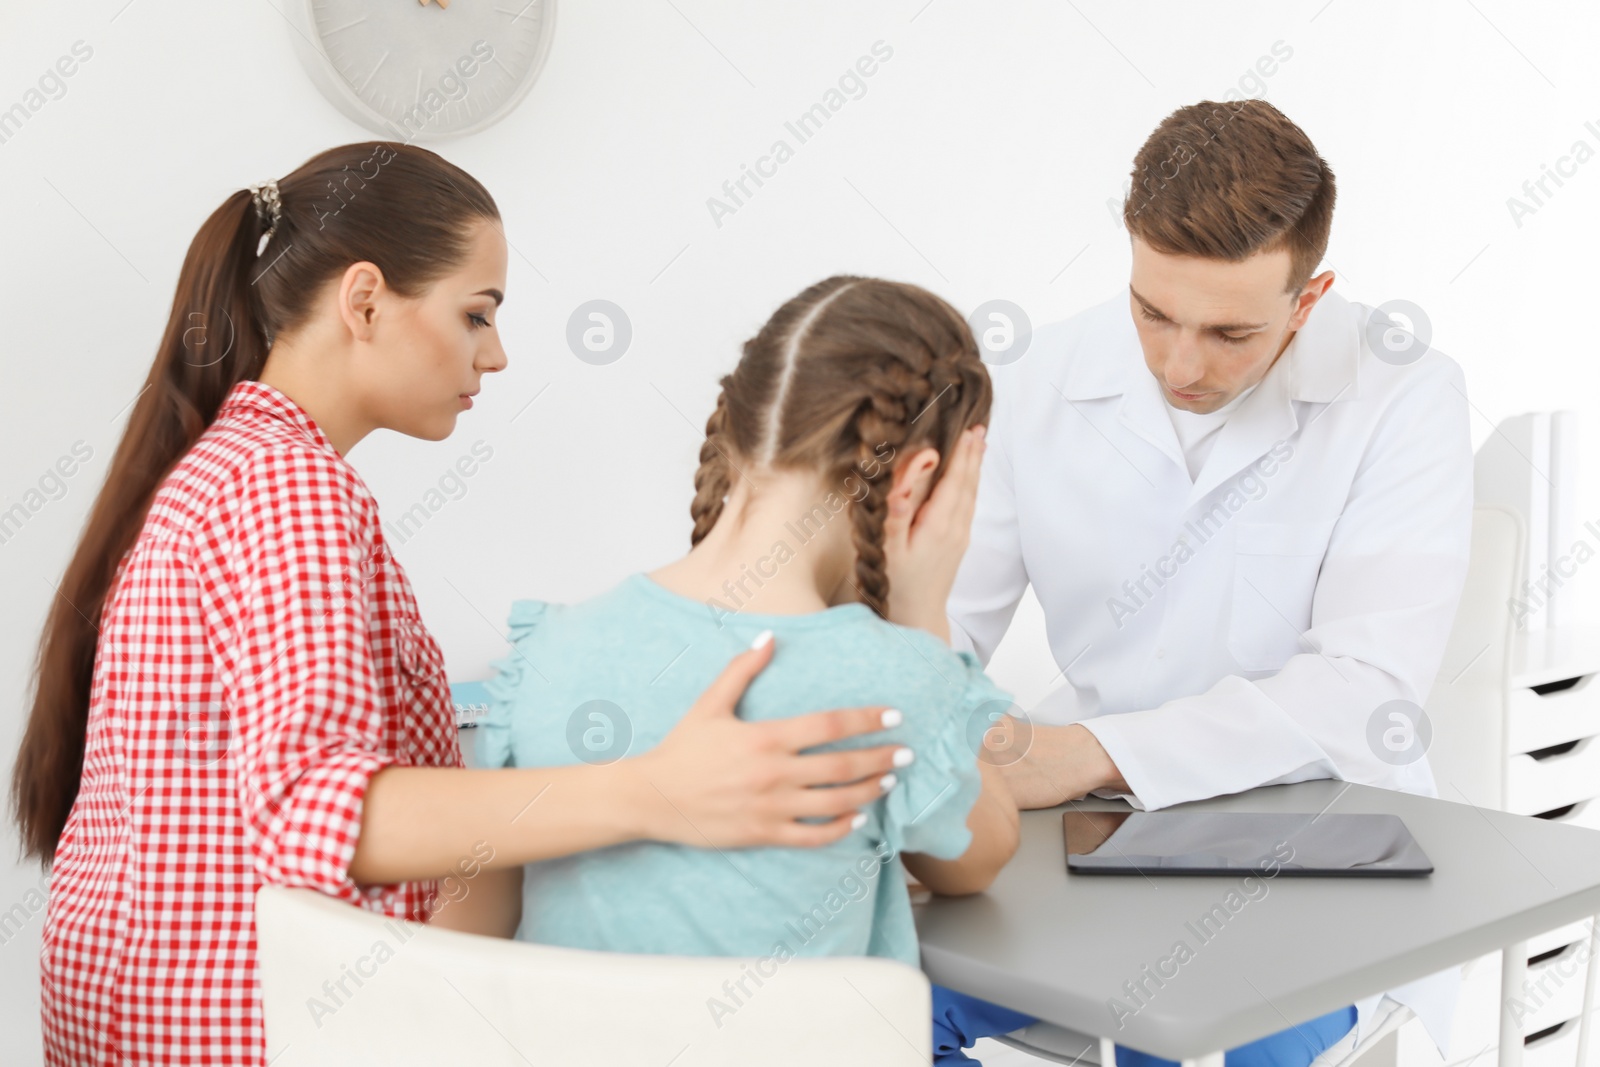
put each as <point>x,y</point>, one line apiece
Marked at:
<point>923,546</point>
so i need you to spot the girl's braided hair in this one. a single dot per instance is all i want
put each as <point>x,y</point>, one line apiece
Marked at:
<point>846,371</point>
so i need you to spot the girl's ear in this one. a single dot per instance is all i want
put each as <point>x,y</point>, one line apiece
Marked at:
<point>913,481</point>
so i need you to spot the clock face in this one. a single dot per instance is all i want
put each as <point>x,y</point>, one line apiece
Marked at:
<point>417,71</point>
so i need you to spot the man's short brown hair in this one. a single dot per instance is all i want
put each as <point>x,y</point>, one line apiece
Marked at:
<point>1228,180</point>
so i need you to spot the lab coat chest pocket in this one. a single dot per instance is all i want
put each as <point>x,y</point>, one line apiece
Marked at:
<point>1274,581</point>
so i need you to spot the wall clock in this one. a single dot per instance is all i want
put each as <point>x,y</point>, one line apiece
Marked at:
<point>423,71</point>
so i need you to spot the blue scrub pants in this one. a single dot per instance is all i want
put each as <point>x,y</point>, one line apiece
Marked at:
<point>959,1020</point>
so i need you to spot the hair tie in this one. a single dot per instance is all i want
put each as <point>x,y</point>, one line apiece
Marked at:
<point>268,203</point>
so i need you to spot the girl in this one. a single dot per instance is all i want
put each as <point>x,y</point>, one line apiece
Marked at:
<point>235,688</point>
<point>844,412</point>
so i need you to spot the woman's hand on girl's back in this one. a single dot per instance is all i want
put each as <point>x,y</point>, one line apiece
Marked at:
<point>727,783</point>
<point>923,545</point>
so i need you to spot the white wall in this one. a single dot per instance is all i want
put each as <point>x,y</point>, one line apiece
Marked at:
<point>978,163</point>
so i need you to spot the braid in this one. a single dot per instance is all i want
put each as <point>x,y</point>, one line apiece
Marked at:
<point>712,480</point>
<point>866,532</point>
<point>895,394</point>
<point>951,379</point>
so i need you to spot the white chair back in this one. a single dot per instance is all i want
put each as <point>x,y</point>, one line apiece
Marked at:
<point>342,986</point>
<point>1466,706</point>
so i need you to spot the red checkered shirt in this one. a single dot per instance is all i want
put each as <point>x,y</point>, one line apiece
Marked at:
<point>260,658</point>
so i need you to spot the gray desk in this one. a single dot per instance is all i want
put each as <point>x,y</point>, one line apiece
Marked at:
<point>1061,946</point>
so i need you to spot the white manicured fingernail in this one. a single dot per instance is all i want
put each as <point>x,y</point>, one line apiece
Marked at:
<point>761,639</point>
<point>887,782</point>
<point>903,757</point>
<point>859,821</point>
<point>892,717</point>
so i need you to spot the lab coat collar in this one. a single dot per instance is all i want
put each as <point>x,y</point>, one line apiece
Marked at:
<point>1319,367</point>
<point>1325,354</point>
<point>1106,357</point>
<point>1265,418</point>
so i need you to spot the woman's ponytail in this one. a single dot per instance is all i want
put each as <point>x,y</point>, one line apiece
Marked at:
<point>228,305</point>
<point>210,343</point>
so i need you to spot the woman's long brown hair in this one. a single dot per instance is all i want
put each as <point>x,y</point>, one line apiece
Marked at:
<point>841,379</point>
<point>402,208</point>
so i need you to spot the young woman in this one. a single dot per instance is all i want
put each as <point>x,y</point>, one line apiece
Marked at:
<point>235,688</point>
<point>835,424</point>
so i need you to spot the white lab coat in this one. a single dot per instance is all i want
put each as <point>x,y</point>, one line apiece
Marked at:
<point>1273,604</point>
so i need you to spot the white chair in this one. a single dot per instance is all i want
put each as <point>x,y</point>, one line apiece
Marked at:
<point>343,986</point>
<point>1467,703</point>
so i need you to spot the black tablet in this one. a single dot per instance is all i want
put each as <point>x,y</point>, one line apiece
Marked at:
<point>1235,843</point>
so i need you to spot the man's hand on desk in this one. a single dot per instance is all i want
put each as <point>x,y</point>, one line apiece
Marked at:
<point>1062,763</point>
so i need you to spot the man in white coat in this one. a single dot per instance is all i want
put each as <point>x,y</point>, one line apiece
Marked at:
<point>1243,502</point>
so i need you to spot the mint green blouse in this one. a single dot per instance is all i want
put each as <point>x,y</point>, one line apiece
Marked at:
<point>608,678</point>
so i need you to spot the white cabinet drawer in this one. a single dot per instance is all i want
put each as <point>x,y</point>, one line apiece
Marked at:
<point>1553,992</point>
<point>1535,721</point>
<point>1533,786</point>
<point>1560,937</point>
<point>1585,813</point>
<point>1475,1030</point>
<point>1559,1049</point>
